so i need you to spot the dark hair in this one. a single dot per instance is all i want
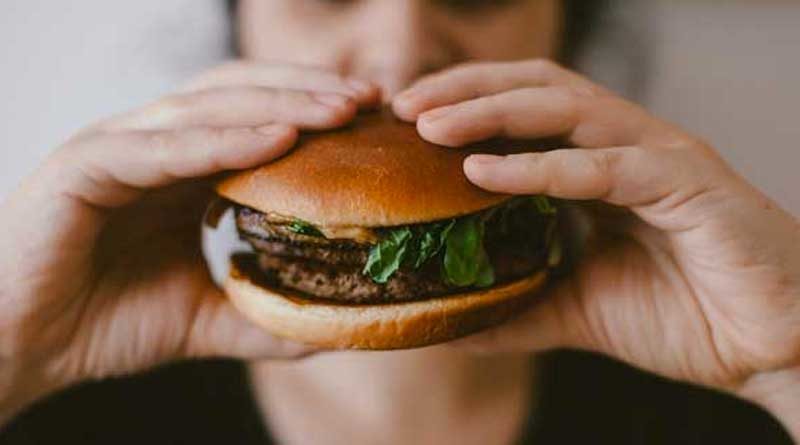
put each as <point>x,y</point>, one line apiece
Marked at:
<point>580,17</point>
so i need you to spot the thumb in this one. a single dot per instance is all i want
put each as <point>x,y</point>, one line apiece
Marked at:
<point>219,330</point>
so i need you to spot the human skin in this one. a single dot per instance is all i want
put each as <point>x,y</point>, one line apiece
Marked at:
<point>102,273</point>
<point>709,294</point>
<point>394,42</point>
<point>691,272</point>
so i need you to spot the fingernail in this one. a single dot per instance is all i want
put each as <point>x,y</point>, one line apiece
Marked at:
<point>485,159</point>
<point>436,114</point>
<point>331,100</point>
<point>360,86</point>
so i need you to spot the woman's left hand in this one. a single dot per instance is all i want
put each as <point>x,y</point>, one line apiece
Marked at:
<point>692,273</point>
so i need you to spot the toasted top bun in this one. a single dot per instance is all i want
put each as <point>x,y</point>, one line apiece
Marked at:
<point>375,327</point>
<point>375,172</point>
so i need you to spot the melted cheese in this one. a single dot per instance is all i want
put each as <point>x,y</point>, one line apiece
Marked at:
<point>361,235</point>
<point>357,234</point>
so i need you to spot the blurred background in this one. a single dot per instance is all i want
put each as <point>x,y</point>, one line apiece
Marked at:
<point>727,70</point>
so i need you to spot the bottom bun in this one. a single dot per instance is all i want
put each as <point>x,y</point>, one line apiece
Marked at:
<point>376,327</point>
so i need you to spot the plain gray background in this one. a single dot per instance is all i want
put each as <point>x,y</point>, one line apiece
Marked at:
<point>727,70</point>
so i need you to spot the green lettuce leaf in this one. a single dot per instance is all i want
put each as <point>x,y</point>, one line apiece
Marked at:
<point>543,205</point>
<point>304,228</point>
<point>429,242</point>
<point>406,246</point>
<point>387,256</point>
<point>465,260</point>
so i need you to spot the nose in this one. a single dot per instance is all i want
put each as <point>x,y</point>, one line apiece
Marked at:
<point>397,44</point>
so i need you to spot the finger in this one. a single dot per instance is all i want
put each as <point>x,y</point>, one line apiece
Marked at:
<point>473,80</point>
<point>111,170</point>
<point>548,324</point>
<point>363,92</point>
<point>218,330</point>
<point>240,107</point>
<point>528,113</point>
<point>626,176</point>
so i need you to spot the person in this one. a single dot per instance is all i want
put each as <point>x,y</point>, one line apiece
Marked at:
<point>689,271</point>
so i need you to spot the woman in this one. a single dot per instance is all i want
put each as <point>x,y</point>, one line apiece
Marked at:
<point>691,275</point>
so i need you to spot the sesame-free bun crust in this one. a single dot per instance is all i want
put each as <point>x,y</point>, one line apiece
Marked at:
<point>375,172</point>
<point>376,327</point>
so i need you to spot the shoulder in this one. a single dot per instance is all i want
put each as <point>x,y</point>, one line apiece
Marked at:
<point>200,402</point>
<point>590,399</point>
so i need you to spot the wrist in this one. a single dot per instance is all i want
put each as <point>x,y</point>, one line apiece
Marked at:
<point>779,393</point>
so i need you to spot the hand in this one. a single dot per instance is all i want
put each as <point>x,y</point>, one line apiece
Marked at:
<point>692,274</point>
<point>100,266</point>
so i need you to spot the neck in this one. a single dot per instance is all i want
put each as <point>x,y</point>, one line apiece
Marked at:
<point>433,395</point>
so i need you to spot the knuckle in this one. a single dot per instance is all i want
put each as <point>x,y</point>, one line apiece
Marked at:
<point>224,138</point>
<point>171,106</point>
<point>216,74</point>
<point>332,76</point>
<point>280,74</point>
<point>531,162</point>
<point>335,81</point>
<point>288,96</point>
<point>498,107</point>
<point>274,99</point>
<point>323,74</point>
<point>577,92</point>
<point>605,164</point>
<point>205,137</point>
<point>159,144</point>
<point>568,98</point>
<point>565,92</point>
<point>694,154</point>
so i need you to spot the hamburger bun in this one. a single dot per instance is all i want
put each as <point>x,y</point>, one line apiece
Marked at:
<point>374,327</point>
<point>377,172</point>
<point>362,179</point>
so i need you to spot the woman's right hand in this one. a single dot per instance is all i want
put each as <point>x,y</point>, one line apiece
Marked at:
<point>101,271</point>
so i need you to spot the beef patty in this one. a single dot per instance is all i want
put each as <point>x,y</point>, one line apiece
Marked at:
<point>331,269</point>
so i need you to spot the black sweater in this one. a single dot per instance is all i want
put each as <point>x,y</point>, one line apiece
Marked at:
<point>584,399</point>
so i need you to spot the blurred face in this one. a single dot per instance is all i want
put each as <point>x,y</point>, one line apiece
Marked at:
<point>392,42</point>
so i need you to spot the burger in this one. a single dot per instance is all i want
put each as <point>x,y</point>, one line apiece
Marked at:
<point>369,237</point>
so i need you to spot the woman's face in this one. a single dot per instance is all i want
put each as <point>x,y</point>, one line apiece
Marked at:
<point>392,42</point>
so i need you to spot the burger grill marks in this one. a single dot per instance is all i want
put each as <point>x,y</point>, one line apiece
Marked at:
<point>407,262</point>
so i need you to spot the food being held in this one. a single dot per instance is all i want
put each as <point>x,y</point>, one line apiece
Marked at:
<point>369,237</point>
